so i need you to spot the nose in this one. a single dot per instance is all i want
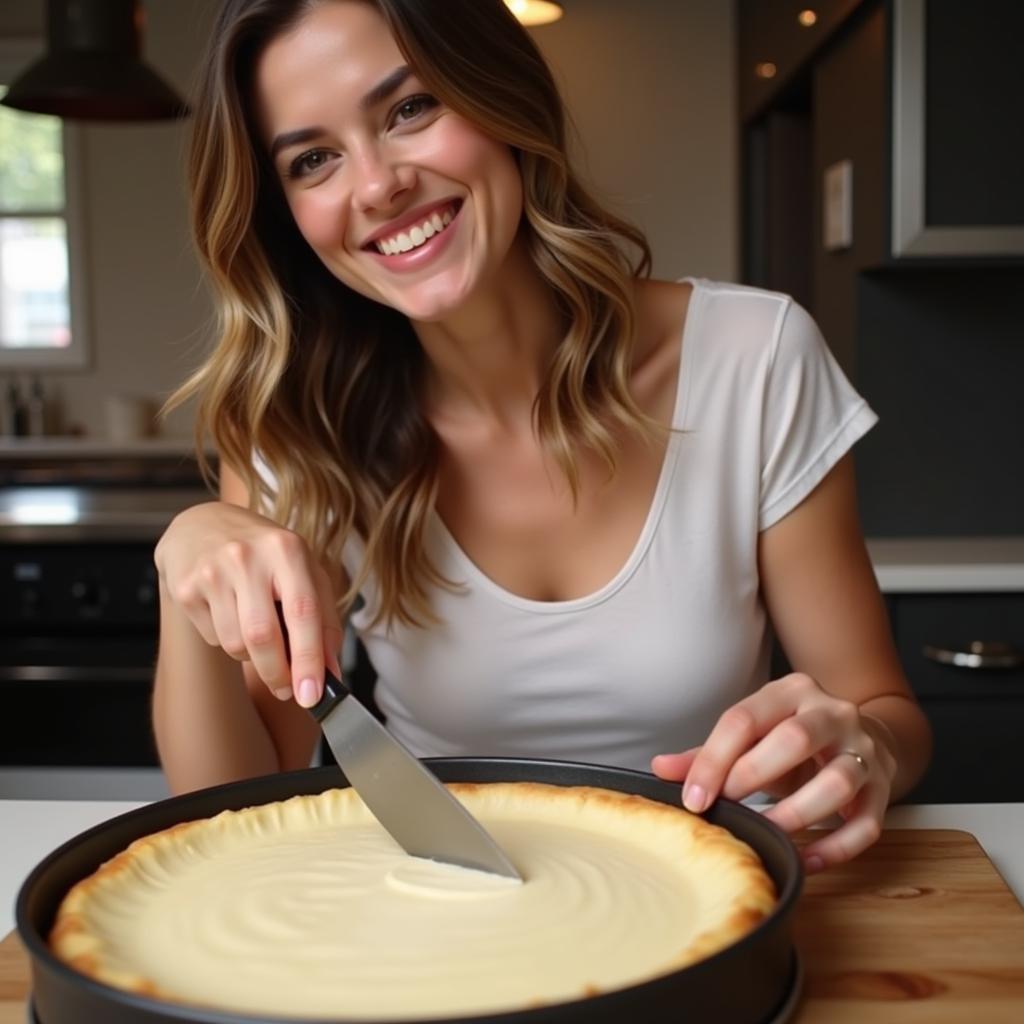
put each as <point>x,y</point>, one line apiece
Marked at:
<point>379,181</point>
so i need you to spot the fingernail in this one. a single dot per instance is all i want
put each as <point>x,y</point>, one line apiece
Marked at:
<point>813,864</point>
<point>285,693</point>
<point>694,798</point>
<point>307,693</point>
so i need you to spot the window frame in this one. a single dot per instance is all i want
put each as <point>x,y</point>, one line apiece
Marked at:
<point>16,54</point>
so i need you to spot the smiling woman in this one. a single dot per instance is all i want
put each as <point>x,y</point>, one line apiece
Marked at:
<point>348,166</point>
<point>319,190</point>
<point>558,501</point>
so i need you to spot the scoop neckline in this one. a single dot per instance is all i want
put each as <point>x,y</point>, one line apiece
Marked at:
<point>643,542</point>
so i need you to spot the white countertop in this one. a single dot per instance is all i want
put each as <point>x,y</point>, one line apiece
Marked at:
<point>33,828</point>
<point>63,447</point>
<point>950,564</point>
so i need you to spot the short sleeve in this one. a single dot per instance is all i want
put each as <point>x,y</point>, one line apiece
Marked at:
<point>811,416</point>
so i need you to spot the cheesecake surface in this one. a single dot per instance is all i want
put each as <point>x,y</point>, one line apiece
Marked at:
<point>307,907</point>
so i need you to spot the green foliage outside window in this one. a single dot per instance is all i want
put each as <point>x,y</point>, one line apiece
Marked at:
<point>31,162</point>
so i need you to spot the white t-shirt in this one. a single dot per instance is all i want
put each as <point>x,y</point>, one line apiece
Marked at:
<point>646,664</point>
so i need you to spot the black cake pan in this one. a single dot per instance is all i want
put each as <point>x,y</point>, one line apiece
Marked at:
<point>750,982</point>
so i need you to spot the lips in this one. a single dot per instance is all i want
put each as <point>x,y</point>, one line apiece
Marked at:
<point>414,229</point>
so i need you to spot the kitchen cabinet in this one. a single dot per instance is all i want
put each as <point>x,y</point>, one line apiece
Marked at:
<point>976,707</point>
<point>923,101</point>
<point>948,597</point>
<point>957,147</point>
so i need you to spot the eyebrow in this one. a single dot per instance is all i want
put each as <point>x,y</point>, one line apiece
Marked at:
<point>380,92</point>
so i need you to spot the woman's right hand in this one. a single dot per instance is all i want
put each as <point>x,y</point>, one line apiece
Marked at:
<point>225,567</point>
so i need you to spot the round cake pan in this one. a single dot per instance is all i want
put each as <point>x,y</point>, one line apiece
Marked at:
<point>746,983</point>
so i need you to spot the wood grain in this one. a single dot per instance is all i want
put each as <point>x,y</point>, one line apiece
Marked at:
<point>14,980</point>
<point>920,929</point>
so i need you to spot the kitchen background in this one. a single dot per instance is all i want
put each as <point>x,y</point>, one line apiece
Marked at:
<point>668,161</point>
<point>715,126</point>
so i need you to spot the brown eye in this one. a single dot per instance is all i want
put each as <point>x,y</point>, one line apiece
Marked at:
<point>413,107</point>
<point>310,161</point>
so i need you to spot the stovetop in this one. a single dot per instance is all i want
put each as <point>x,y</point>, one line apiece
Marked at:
<point>67,513</point>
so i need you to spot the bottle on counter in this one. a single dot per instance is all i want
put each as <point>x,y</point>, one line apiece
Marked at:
<point>13,415</point>
<point>35,410</point>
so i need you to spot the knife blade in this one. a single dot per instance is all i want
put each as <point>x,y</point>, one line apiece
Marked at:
<point>408,800</point>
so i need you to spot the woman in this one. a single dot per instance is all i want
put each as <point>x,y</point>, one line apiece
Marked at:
<point>560,499</point>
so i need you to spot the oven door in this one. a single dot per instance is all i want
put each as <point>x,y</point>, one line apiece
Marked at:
<point>76,719</point>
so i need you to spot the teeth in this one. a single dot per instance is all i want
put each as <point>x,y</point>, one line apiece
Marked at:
<point>404,242</point>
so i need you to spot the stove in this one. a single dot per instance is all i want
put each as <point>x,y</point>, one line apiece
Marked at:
<point>79,617</point>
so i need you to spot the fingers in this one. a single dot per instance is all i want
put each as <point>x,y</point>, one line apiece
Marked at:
<point>794,741</point>
<point>735,732</point>
<point>861,829</point>
<point>834,787</point>
<point>301,611</point>
<point>228,587</point>
<point>315,632</point>
<point>674,767</point>
<point>333,628</point>
<point>263,643</point>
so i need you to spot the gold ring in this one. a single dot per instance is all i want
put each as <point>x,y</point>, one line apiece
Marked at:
<point>857,757</point>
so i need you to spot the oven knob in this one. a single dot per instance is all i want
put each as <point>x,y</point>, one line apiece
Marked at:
<point>89,596</point>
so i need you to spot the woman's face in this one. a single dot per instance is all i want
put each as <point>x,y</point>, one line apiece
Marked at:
<point>402,199</point>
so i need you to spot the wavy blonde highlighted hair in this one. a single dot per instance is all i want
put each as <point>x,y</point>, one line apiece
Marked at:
<point>324,384</point>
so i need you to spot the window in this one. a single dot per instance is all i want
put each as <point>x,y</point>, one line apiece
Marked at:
<point>41,289</point>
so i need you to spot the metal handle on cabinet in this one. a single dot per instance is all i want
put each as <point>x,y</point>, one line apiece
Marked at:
<point>76,673</point>
<point>977,654</point>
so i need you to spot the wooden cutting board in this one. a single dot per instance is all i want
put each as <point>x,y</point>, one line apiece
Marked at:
<point>920,929</point>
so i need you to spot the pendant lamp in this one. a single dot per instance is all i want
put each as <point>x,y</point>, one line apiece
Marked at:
<point>535,12</point>
<point>92,69</point>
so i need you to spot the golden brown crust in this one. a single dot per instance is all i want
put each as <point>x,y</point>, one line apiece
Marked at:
<point>703,849</point>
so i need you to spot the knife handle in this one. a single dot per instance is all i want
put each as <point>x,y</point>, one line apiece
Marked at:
<point>334,692</point>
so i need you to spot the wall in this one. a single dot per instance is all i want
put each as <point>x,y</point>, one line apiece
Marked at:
<point>941,362</point>
<point>650,85</point>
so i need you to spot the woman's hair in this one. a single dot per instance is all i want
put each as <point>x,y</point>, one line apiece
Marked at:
<point>324,385</point>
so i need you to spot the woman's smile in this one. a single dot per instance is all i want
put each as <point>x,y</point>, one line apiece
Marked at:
<point>402,199</point>
<point>420,241</point>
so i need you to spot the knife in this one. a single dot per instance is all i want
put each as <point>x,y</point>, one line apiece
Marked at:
<point>410,802</point>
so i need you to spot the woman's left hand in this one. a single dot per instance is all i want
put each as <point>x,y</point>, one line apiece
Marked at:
<point>816,752</point>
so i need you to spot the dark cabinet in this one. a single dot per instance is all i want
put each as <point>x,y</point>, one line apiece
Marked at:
<point>976,708</point>
<point>919,104</point>
<point>964,657</point>
<point>957,146</point>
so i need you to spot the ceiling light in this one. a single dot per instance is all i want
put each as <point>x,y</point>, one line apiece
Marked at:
<point>92,68</point>
<point>535,12</point>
